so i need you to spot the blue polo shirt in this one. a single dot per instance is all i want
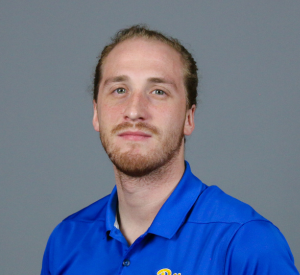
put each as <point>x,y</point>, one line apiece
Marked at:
<point>199,230</point>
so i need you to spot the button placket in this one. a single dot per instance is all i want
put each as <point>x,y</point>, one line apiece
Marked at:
<point>129,251</point>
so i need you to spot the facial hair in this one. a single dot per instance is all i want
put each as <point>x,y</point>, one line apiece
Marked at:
<point>138,165</point>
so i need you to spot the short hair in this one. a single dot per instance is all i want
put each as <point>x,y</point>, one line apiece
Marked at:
<point>142,31</point>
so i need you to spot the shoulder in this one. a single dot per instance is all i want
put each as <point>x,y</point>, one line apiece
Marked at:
<point>213,205</point>
<point>74,226</point>
<point>72,231</point>
<point>255,245</point>
<point>258,247</point>
<point>91,213</point>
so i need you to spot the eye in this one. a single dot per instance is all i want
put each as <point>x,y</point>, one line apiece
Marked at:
<point>120,91</point>
<point>158,92</point>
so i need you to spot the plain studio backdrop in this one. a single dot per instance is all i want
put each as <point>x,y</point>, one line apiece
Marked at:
<point>246,139</point>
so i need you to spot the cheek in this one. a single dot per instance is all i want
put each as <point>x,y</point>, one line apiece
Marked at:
<point>108,115</point>
<point>174,119</point>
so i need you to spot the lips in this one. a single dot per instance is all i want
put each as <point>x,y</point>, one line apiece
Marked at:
<point>134,135</point>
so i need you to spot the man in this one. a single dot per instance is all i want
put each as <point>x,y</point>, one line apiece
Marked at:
<point>160,219</point>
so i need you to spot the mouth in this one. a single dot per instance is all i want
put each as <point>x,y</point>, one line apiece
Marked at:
<point>134,135</point>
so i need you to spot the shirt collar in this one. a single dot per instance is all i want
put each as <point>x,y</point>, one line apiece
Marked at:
<point>111,210</point>
<point>174,211</point>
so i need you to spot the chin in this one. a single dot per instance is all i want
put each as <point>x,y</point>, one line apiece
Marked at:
<point>137,165</point>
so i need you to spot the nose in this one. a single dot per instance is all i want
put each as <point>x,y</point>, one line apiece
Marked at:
<point>136,108</point>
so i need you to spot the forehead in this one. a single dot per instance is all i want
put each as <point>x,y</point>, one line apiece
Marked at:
<point>143,56</point>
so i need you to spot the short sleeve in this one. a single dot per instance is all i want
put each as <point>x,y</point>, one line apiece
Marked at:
<point>258,247</point>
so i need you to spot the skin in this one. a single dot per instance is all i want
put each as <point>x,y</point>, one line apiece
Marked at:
<point>143,84</point>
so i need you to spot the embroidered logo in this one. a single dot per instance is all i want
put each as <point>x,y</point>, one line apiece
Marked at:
<point>166,271</point>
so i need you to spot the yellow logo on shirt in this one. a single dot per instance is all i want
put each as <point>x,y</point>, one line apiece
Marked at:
<point>166,271</point>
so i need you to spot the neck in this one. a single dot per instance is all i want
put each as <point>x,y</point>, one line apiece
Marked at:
<point>141,198</point>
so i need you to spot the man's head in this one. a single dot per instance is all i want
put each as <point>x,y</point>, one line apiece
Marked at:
<point>141,108</point>
<point>139,31</point>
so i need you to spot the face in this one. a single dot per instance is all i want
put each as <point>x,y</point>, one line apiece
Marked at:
<point>141,107</point>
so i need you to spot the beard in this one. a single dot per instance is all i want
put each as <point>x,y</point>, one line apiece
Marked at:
<point>139,165</point>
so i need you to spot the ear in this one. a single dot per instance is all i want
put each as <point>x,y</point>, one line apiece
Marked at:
<point>95,117</point>
<point>189,124</point>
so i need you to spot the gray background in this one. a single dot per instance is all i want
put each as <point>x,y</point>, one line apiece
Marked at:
<point>247,125</point>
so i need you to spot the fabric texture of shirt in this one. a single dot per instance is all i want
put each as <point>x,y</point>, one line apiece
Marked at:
<point>198,230</point>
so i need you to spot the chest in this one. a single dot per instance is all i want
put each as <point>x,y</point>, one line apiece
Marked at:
<point>194,249</point>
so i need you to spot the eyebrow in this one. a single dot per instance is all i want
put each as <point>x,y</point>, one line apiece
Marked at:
<point>161,80</point>
<point>116,79</point>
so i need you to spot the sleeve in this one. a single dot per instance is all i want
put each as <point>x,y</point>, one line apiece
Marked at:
<point>259,248</point>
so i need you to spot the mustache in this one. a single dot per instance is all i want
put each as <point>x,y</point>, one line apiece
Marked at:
<point>141,126</point>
